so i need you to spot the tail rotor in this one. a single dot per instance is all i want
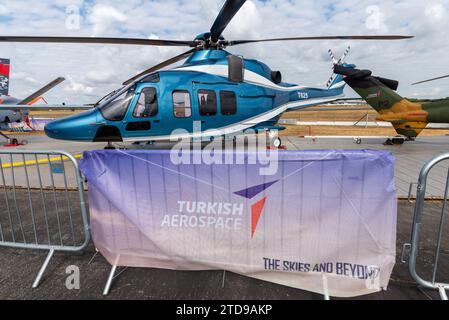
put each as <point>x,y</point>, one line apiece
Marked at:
<point>335,62</point>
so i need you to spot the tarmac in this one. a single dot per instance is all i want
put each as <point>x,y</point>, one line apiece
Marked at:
<point>410,157</point>
<point>19,267</point>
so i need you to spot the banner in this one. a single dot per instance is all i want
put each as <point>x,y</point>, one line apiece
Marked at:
<point>324,221</point>
<point>34,124</point>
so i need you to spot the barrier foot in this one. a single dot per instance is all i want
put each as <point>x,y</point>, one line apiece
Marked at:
<point>93,257</point>
<point>110,279</point>
<point>42,269</point>
<point>443,294</point>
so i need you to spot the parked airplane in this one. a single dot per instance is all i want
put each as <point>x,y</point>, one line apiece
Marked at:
<point>21,114</point>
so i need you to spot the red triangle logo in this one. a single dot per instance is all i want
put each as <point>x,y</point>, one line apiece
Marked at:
<point>256,212</point>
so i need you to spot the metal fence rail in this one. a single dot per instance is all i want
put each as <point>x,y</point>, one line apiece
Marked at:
<point>431,283</point>
<point>42,203</point>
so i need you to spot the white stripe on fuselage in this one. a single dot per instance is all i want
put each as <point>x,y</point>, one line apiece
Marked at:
<point>249,77</point>
<point>239,126</point>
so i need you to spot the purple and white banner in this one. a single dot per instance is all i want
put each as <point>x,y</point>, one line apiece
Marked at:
<point>325,221</point>
<point>32,125</point>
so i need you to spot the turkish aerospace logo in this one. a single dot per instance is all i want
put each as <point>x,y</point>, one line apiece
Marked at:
<point>256,208</point>
<point>218,215</point>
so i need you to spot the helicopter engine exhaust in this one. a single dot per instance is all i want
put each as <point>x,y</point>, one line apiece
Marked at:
<point>276,77</point>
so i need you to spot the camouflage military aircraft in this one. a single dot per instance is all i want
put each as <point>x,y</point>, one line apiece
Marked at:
<point>407,117</point>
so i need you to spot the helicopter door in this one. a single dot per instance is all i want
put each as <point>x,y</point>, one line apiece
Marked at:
<point>143,114</point>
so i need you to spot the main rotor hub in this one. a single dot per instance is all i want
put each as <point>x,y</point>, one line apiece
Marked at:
<point>204,42</point>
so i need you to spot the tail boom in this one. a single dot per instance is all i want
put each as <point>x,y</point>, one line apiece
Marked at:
<point>408,118</point>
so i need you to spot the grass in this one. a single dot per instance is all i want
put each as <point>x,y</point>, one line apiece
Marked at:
<point>315,114</point>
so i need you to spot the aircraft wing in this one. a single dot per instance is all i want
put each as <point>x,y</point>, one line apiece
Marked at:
<point>41,91</point>
<point>45,107</point>
<point>28,103</point>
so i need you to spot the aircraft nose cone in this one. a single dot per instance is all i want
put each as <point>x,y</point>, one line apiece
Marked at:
<point>80,127</point>
<point>55,128</point>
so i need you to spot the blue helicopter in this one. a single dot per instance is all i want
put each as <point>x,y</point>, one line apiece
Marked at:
<point>224,93</point>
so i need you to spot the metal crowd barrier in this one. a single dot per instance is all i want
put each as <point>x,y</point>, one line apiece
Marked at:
<point>43,206</point>
<point>431,283</point>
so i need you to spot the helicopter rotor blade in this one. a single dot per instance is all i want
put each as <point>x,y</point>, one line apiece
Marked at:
<point>93,40</point>
<point>160,66</point>
<point>388,37</point>
<point>229,10</point>
<point>443,77</point>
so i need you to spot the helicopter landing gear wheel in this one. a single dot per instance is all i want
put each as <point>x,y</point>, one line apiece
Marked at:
<point>109,146</point>
<point>274,141</point>
<point>277,142</point>
<point>14,141</point>
<point>397,141</point>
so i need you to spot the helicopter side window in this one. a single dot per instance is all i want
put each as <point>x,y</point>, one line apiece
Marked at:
<point>116,109</point>
<point>207,101</point>
<point>228,103</point>
<point>182,108</point>
<point>146,106</point>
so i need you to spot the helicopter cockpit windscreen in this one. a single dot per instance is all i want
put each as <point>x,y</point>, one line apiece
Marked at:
<point>115,109</point>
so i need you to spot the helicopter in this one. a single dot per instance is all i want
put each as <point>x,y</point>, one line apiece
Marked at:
<point>409,118</point>
<point>224,93</point>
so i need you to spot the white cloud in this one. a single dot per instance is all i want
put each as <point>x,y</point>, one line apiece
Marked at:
<point>24,76</point>
<point>103,17</point>
<point>436,11</point>
<point>3,10</point>
<point>78,88</point>
<point>436,91</point>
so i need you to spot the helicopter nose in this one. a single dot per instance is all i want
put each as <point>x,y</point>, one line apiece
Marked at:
<point>80,127</point>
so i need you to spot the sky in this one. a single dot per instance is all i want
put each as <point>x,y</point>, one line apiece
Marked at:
<point>94,70</point>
